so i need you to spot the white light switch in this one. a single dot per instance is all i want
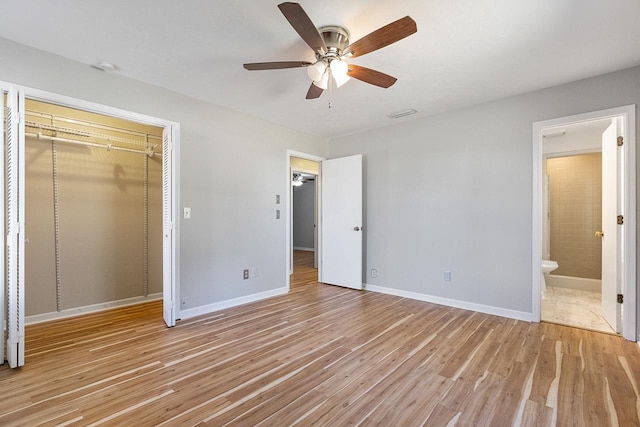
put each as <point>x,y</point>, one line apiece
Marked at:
<point>187,213</point>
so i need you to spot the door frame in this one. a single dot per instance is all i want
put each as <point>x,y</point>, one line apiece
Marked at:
<point>288,208</point>
<point>628,276</point>
<point>174,132</point>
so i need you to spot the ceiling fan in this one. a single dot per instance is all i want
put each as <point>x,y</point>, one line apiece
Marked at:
<point>331,47</point>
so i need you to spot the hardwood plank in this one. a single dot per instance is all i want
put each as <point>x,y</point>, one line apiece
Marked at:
<point>537,414</point>
<point>570,392</point>
<point>622,393</point>
<point>544,373</point>
<point>441,416</point>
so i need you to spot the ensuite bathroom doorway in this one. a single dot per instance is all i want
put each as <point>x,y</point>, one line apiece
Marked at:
<point>584,185</point>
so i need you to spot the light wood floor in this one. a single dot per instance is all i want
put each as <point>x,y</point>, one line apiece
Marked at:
<point>320,355</point>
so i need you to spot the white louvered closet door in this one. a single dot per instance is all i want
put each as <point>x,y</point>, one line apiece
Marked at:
<point>14,215</point>
<point>3,273</point>
<point>168,296</point>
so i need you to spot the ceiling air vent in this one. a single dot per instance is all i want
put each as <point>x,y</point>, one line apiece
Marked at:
<point>403,113</point>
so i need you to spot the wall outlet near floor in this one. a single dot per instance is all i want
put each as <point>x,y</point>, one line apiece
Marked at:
<point>447,276</point>
<point>277,213</point>
<point>374,272</point>
<point>245,273</point>
<point>187,212</point>
<point>183,302</point>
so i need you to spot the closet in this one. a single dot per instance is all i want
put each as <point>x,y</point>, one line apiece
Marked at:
<point>93,199</point>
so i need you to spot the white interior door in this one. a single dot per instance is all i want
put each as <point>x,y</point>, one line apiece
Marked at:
<point>341,216</point>
<point>612,231</point>
<point>168,232</point>
<point>14,211</point>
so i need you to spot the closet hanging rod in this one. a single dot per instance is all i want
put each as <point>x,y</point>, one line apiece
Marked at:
<point>107,147</point>
<point>91,124</point>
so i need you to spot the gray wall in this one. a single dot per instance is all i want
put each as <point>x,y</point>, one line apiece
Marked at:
<point>304,200</point>
<point>101,208</point>
<point>453,192</point>
<point>233,223</point>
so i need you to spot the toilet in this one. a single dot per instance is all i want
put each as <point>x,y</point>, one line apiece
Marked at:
<point>547,267</point>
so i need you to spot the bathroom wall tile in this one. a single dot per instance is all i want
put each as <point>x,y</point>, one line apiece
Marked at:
<point>575,186</point>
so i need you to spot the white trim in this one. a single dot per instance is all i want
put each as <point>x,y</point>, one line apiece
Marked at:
<point>210,308</point>
<point>487,309</point>
<point>68,101</point>
<point>288,209</point>
<point>300,248</point>
<point>628,113</point>
<point>93,308</point>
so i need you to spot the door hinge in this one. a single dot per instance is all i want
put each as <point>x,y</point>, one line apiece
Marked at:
<point>620,220</point>
<point>620,141</point>
<point>620,299</point>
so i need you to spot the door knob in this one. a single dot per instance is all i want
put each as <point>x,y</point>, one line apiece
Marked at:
<point>356,228</point>
<point>599,233</point>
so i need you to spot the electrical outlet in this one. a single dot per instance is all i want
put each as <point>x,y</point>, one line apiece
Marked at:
<point>187,213</point>
<point>447,276</point>
<point>277,199</point>
<point>245,273</point>
<point>183,302</point>
<point>374,272</point>
<point>277,213</point>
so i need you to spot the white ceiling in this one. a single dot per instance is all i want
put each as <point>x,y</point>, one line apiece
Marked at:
<point>465,51</point>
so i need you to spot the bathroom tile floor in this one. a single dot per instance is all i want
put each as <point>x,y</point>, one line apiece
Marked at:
<point>574,307</point>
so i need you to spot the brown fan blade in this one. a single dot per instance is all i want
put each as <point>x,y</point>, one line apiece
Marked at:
<point>382,37</point>
<point>314,92</point>
<point>301,22</point>
<point>370,76</point>
<point>275,65</point>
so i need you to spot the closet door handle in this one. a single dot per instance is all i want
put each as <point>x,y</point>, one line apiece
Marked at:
<point>599,233</point>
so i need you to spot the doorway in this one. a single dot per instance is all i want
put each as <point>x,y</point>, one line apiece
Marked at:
<point>13,310</point>
<point>303,204</point>
<point>305,217</point>
<point>572,224</point>
<point>339,226</point>
<point>93,204</point>
<point>584,187</point>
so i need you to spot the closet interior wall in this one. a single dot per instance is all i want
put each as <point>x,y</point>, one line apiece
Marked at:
<point>95,198</point>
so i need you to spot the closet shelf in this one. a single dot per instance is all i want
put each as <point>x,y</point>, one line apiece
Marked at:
<point>49,133</point>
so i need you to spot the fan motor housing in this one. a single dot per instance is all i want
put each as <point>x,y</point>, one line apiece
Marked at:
<point>336,38</point>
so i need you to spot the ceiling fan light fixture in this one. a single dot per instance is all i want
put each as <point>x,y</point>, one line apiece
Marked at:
<point>323,83</point>
<point>339,71</point>
<point>317,70</point>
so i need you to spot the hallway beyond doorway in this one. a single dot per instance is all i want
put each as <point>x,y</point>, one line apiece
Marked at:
<point>303,271</point>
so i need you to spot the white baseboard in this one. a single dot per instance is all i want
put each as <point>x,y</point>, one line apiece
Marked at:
<point>210,308</point>
<point>72,312</point>
<point>300,248</point>
<point>488,309</point>
<point>592,285</point>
